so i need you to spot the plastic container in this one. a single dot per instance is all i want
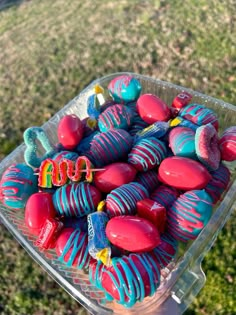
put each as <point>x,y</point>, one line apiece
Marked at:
<point>183,278</point>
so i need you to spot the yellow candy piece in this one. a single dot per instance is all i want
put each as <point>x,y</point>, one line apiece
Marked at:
<point>175,122</point>
<point>91,123</point>
<point>105,256</point>
<point>98,89</point>
<point>101,206</point>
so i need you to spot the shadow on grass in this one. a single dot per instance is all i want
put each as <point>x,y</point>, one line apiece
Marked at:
<point>6,4</point>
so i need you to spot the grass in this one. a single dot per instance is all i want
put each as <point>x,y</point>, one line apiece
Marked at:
<point>50,50</point>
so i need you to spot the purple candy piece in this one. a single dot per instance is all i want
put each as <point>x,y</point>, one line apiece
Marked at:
<point>110,146</point>
<point>218,183</point>
<point>165,195</point>
<point>122,200</point>
<point>148,179</point>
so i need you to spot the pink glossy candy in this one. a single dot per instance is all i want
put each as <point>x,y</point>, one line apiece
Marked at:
<point>151,108</point>
<point>72,248</point>
<point>181,100</point>
<point>132,233</point>
<point>227,144</point>
<point>113,176</point>
<point>152,211</point>
<point>70,131</point>
<point>39,208</point>
<point>183,173</point>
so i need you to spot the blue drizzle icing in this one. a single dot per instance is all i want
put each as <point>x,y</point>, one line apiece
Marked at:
<point>164,195</point>
<point>74,200</point>
<point>110,146</point>
<point>198,114</point>
<point>161,254</point>
<point>147,151</point>
<point>148,179</point>
<point>18,183</point>
<point>130,283</point>
<point>189,214</point>
<point>116,116</point>
<point>75,244</point>
<point>125,89</point>
<point>125,198</point>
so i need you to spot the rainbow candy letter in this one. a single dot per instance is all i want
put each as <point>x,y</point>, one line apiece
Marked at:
<point>57,174</point>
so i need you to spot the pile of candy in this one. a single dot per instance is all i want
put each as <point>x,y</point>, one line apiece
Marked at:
<point>124,186</point>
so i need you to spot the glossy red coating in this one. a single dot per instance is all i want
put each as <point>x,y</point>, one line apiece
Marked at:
<point>183,173</point>
<point>110,279</point>
<point>70,131</point>
<point>62,241</point>
<point>181,100</point>
<point>38,209</point>
<point>151,109</point>
<point>113,176</point>
<point>132,233</point>
<point>49,233</point>
<point>154,212</point>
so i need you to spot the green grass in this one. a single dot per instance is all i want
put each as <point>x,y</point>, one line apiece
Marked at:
<point>50,50</point>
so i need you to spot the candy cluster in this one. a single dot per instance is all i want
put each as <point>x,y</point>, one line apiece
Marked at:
<point>122,187</point>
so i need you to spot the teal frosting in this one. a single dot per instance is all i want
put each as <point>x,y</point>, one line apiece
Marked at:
<point>18,183</point>
<point>189,214</point>
<point>124,88</point>
<point>78,245</point>
<point>134,277</point>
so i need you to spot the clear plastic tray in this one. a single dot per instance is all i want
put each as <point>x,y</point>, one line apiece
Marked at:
<point>183,278</point>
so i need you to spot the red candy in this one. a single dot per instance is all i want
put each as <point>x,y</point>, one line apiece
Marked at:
<point>227,144</point>
<point>152,211</point>
<point>39,208</point>
<point>70,131</point>
<point>49,233</point>
<point>72,246</point>
<point>151,109</point>
<point>113,176</point>
<point>132,233</point>
<point>183,173</point>
<point>181,100</point>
